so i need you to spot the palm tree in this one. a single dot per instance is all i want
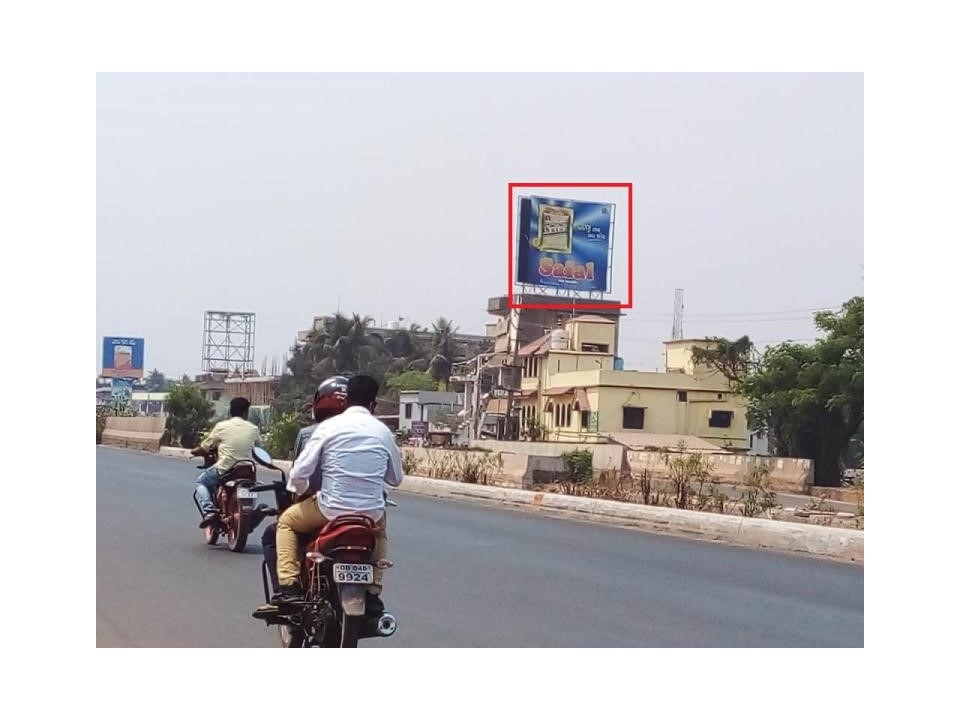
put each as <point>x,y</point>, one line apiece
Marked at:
<point>344,341</point>
<point>443,332</point>
<point>443,350</point>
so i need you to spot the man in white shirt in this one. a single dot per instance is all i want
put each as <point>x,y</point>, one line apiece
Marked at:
<point>356,455</point>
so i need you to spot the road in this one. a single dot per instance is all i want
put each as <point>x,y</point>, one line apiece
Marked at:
<point>466,575</point>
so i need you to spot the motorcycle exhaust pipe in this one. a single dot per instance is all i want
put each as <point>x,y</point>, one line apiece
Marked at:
<point>386,625</point>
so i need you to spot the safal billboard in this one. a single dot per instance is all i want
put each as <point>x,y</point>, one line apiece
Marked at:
<point>564,243</point>
<point>122,357</point>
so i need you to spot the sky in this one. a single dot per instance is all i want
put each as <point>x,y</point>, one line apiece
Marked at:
<point>385,194</point>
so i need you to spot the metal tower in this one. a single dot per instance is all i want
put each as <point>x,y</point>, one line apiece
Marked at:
<point>228,339</point>
<point>677,333</point>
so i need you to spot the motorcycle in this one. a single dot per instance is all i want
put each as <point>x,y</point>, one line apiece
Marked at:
<point>336,570</point>
<point>235,496</point>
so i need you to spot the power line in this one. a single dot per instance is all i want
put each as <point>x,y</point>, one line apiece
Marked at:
<point>738,314</point>
<point>705,321</point>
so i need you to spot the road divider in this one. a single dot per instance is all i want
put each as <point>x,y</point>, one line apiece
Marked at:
<point>835,543</point>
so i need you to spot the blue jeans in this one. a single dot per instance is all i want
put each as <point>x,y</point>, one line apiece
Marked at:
<point>206,484</point>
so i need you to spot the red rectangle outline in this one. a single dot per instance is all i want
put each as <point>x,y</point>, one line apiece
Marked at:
<point>566,306</point>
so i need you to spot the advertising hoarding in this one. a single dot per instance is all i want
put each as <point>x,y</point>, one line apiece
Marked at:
<point>564,244</point>
<point>122,357</point>
<point>121,392</point>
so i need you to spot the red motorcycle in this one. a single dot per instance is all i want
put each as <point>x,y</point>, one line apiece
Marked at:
<point>336,571</point>
<point>235,498</point>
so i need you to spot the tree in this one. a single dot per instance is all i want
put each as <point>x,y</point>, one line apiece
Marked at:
<point>411,380</point>
<point>809,398</point>
<point>441,364</point>
<point>189,413</point>
<point>343,344</point>
<point>156,381</point>
<point>733,359</point>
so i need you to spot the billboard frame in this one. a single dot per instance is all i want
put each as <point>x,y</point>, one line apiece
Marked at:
<point>514,305</point>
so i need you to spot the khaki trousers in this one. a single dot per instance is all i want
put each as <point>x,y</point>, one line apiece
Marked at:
<point>305,517</point>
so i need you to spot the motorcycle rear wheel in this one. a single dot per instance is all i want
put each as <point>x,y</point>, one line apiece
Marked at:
<point>239,526</point>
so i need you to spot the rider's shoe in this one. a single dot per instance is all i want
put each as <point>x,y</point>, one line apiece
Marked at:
<point>208,519</point>
<point>266,612</point>
<point>287,594</point>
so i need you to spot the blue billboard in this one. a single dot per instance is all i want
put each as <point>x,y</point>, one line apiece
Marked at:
<point>121,392</point>
<point>564,244</point>
<point>122,357</point>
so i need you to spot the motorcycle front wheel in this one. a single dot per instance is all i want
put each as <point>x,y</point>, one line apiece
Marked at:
<point>211,535</point>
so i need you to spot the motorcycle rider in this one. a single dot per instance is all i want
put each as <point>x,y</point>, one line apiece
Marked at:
<point>234,440</point>
<point>329,399</point>
<point>355,455</point>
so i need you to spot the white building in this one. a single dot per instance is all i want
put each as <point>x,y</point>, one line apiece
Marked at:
<point>426,406</point>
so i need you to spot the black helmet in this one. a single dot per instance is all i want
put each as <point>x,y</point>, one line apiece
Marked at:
<point>330,398</point>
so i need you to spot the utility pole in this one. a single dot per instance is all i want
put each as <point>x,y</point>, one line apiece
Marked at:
<point>512,349</point>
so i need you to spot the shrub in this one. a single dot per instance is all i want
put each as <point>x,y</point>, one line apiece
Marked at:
<point>440,465</point>
<point>683,470</point>
<point>533,430</point>
<point>475,469</point>
<point>410,463</point>
<point>579,465</point>
<point>758,497</point>
<point>283,435</point>
<point>189,414</point>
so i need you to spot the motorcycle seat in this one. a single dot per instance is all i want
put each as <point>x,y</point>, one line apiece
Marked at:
<point>356,531</point>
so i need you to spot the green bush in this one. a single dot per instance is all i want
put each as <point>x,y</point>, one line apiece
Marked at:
<point>579,465</point>
<point>283,435</point>
<point>189,414</point>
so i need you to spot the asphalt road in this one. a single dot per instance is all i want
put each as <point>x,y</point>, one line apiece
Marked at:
<point>466,575</point>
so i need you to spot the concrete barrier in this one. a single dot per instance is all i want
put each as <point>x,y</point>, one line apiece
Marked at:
<point>136,433</point>
<point>828,542</point>
<point>606,457</point>
<point>834,543</point>
<point>793,475</point>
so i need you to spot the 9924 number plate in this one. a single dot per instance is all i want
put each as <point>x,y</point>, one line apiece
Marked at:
<point>350,573</point>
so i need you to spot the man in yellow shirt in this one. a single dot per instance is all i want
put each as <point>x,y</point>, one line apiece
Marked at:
<point>234,440</point>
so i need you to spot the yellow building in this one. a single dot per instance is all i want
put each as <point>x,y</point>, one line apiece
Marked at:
<point>570,386</point>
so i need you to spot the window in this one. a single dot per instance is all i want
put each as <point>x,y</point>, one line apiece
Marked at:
<point>561,415</point>
<point>633,418</point>
<point>584,419</point>
<point>719,396</point>
<point>408,410</point>
<point>681,396</point>
<point>721,418</point>
<point>216,395</point>
<point>594,347</point>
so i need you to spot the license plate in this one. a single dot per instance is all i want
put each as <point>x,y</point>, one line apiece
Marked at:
<point>347,573</point>
<point>246,494</point>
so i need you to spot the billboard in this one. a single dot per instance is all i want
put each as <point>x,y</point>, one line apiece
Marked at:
<point>565,244</point>
<point>122,357</point>
<point>121,391</point>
